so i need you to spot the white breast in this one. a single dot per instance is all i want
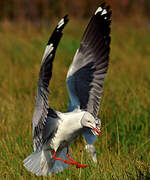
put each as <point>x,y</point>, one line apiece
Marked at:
<point>68,128</point>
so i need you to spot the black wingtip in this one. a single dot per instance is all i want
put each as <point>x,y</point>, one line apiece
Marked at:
<point>57,33</point>
<point>62,22</point>
<point>104,10</point>
<point>66,17</point>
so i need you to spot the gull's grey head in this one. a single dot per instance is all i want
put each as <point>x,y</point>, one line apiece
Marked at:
<point>90,122</point>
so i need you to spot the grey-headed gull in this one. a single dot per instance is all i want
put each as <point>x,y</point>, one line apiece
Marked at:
<point>54,131</point>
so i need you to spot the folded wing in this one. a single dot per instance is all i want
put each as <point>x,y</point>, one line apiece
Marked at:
<point>42,110</point>
<point>89,67</point>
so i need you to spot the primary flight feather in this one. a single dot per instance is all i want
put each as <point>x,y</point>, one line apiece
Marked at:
<point>54,131</point>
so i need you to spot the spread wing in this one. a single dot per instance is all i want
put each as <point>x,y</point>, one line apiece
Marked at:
<point>89,67</point>
<point>39,121</point>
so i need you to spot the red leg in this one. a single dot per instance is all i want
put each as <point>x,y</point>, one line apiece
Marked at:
<point>63,160</point>
<point>72,162</point>
<point>78,165</point>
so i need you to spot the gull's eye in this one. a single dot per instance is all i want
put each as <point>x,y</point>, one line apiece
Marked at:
<point>88,121</point>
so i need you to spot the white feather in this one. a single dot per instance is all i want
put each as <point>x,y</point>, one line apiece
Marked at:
<point>42,163</point>
<point>61,22</point>
<point>104,12</point>
<point>47,51</point>
<point>98,10</point>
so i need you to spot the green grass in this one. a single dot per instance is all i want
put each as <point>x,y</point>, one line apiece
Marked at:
<point>124,150</point>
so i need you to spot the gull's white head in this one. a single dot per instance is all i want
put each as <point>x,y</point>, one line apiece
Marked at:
<point>90,122</point>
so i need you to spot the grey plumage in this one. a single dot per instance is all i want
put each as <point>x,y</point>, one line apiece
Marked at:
<point>54,131</point>
<point>40,121</point>
<point>88,69</point>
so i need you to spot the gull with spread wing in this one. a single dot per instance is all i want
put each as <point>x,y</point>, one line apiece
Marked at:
<point>54,131</point>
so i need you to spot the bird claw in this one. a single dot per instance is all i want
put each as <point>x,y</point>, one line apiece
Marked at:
<point>78,165</point>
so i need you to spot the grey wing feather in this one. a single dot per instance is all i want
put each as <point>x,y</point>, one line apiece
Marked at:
<point>89,67</point>
<point>43,118</point>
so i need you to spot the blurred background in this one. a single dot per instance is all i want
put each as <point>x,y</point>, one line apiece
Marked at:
<point>44,10</point>
<point>123,151</point>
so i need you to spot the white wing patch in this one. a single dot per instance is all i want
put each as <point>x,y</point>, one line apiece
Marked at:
<point>98,10</point>
<point>101,10</point>
<point>61,22</point>
<point>47,51</point>
<point>104,12</point>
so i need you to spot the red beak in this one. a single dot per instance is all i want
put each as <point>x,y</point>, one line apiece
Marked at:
<point>95,129</point>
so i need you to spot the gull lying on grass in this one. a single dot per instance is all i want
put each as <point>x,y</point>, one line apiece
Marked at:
<point>54,131</point>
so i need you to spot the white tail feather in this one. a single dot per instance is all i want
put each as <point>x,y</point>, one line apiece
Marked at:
<point>42,163</point>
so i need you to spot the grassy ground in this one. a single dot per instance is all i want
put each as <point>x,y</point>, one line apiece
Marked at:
<point>124,150</point>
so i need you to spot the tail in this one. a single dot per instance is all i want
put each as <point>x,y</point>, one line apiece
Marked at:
<point>42,163</point>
